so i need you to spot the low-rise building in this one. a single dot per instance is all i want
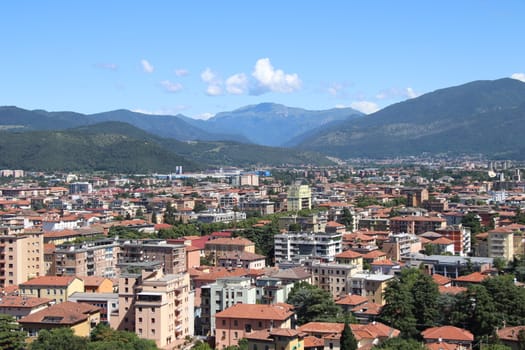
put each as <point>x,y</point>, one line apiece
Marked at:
<point>21,306</point>
<point>240,320</point>
<point>81,318</point>
<point>57,288</point>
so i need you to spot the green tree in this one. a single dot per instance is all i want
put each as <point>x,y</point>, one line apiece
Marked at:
<point>199,207</point>
<point>347,219</point>
<point>425,296</point>
<point>200,345</point>
<point>58,339</point>
<point>104,338</point>
<point>11,334</point>
<point>398,311</point>
<point>521,339</point>
<point>311,303</point>
<point>472,220</point>
<point>348,341</point>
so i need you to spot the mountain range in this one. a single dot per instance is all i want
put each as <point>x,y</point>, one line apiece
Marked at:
<point>480,117</point>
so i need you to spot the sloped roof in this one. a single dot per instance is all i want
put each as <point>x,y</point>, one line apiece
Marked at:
<point>66,313</point>
<point>447,333</point>
<point>257,312</point>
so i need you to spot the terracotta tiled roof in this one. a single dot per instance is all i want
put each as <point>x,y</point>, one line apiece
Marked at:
<point>386,262</point>
<point>510,333</point>
<point>256,311</point>
<point>445,333</point>
<point>368,309</point>
<point>230,241</point>
<point>92,281</point>
<point>352,300</point>
<point>475,277</point>
<point>348,254</point>
<point>441,240</point>
<point>313,342</point>
<point>66,313</point>
<point>22,302</point>
<point>374,254</point>
<point>59,281</point>
<point>440,279</point>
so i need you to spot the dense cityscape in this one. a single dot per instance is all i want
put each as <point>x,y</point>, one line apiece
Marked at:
<point>410,251</point>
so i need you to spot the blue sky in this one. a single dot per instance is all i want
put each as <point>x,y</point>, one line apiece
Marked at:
<point>202,57</point>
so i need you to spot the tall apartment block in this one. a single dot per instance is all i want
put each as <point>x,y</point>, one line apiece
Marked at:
<point>299,197</point>
<point>171,256</point>
<point>21,255</point>
<point>298,246</point>
<point>155,305</point>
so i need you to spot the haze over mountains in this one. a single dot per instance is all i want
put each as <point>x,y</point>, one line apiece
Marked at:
<point>481,117</point>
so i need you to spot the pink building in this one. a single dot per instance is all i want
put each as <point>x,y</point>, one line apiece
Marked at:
<point>239,320</point>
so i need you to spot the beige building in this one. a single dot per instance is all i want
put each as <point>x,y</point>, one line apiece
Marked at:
<point>299,197</point>
<point>171,256</point>
<point>58,288</point>
<point>21,256</point>
<point>155,306</point>
<point>334,278</point>
<point>500,243</point>
<point>96,258</point>
<point>222,246</point>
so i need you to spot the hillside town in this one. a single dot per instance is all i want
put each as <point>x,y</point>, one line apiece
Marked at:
<point>234,259</point>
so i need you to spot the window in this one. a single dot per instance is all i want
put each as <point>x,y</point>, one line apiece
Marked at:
<point>140,319</point>
<point>235,335</point>
<point>235,323</point>
<point>153,320</point>
<point>224,322</point>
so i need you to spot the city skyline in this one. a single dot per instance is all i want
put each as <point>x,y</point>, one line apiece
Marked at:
<point>199,58</point>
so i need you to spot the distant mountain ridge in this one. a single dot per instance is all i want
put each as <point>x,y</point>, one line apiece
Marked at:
<point>480,117</point>
<point>122,148</point>
<point>273,124</point>
<point>265,124</point>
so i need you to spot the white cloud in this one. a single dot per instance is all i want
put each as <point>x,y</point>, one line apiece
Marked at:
<point>108,66</point>
<point>208,76</point>
<point>181,72</point>
<point>237,84</point>
<point>214,82</point>
<point>203,116</point>
<point>339,105</point>
<point>397,93</point>
<point>366,107</point>
<point>410,93</point>
<point>275,80</point>
<point>336,89</point>
<point>146,66</point>
<point>170,86</point>
<point>518,76</point>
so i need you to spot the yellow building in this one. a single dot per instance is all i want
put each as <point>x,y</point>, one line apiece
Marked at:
<point>275,339</point>
<point>299,197</point>
<point>58,288</point>
<point>80,317</point>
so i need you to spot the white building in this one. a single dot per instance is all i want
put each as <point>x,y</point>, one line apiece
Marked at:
<point>297,246</point>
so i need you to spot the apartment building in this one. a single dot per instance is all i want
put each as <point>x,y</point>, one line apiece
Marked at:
<point>333,278</point>
<point>401,244</point>
<point>219,247</point>
<point>272,290</point>
<point>171,256</point>
<point>21,255</point>
<point>298,246</point>
<point>461,237</point>
<point>501,244</point>
<point>222,294</point>
<point>416,224</point>
<point>95,258</point>
<point>154,305</point>
<point>106,302</point>
<point>370,286</point>
<point>240,320</point>
<point>21,306</point>
<point>299,197</point>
